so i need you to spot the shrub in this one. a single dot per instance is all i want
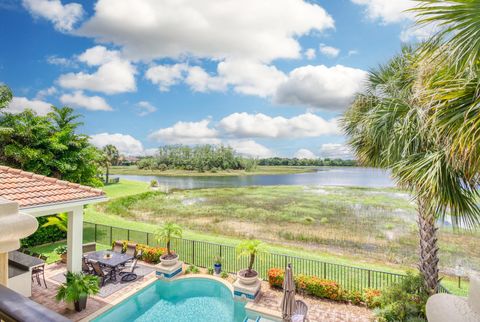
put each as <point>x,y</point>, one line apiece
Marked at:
<point>315,286</point>
<point>275,277</point>
<point>404,300</point>
<point>60,250</point>
<point>192,269</point>
<point>224,275</point>
<point>371,297</point>
<point>210,271</point>
<point>43,235</point>
<point>153,183</point>
<point>354,297</point>
<point>149,254</point>
<point>324,220</point>
<point>309,220</point>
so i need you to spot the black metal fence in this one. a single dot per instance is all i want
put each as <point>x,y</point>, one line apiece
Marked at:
<point>201,253</point>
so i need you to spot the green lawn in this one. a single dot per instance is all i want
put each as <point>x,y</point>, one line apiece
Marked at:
<point>260,170</point>
<point>125,188</point>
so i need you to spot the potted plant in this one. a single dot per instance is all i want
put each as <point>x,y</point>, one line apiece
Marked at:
<point>62,251</point>
<point>77,288</point>
<point>217,264</point>
<point>165,234</point>
<point>250,248</point>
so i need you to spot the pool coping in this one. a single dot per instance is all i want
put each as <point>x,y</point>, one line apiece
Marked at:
<point>147,283</point>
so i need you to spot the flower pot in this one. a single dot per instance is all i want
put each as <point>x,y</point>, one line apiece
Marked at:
<point>169,260</point>
<point>63,258</point>
<point>81,304</point>
<point>217,268</point>
<point>247,279</point>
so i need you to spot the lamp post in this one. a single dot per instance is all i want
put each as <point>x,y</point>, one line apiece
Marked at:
<point>459,272</point>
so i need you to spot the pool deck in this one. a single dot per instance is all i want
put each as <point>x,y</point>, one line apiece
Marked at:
<point>269,302</point>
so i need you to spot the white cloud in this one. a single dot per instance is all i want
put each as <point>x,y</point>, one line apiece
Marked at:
<point>114,74</point>
<point>145,108</point>
<point>387,11</point>
<point>352,52</point>
<point>305,154</point>
<point>42,94</point>
<point>329,51</point>
<point>187,133</point>
<point>250,148</point>
<point>200,81</point>
<point>251,29</point>
<point>126,144</point>
<point>261,125</point>
<point>336,151</point>
<point>166,76</point>
<point>63,17</point>
<point>92,103</point>
<point>310,53</point>
<point>19,104</point>
<point>330,88</point>
<point>61,61</point>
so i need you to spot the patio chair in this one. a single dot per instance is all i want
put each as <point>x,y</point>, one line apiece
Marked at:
<point>36,272</point>
<point>104,275</point>
<point>301,311</point>
<point>86,267</point>
<point>118,247</point>
<point>128,274</point>
<point>35,255</point>
<point>131,249</point>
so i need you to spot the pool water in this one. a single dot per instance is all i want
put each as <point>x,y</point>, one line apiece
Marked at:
<point>184,300</point>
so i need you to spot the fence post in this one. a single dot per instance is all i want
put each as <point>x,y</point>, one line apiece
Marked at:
<point>147,240</point>
<point>324,270</point>
<point>285,262</point>
<point>369,277</point>
<point>193,252</point>
<point>111,235</point>
<point>128,234</point>
<point>221,251</point>
<point>95,233</point>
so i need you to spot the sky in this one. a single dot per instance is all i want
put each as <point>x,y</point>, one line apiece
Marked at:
<point>268,78</point>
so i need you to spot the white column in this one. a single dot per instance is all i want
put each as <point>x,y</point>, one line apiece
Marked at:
<point>75,240</point>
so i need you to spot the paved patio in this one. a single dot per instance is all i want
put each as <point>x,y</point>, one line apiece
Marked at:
<point>46,296</point>
<point>319,310</point>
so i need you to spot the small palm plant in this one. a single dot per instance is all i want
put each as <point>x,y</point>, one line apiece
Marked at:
<point>77,288</point>
<point>250,248</point>
<point>165,233</point>
<point>60,221</point>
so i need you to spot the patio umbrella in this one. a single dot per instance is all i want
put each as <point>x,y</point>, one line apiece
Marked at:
<point>288,301</point>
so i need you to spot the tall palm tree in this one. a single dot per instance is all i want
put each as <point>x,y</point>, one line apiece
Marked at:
<point>388,127</point>
<point>454,90</point>
<point>110,157</point>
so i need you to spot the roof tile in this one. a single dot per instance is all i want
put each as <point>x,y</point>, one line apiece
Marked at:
<point>29,189</point>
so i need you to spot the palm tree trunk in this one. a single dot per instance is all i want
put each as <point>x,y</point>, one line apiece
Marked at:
<point>252,260</point>
<point>107,174</point>
<point>428,265</point>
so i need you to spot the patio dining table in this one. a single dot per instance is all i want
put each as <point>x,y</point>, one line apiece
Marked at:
<point>113,262</point>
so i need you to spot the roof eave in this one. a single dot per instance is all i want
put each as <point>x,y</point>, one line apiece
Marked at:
<point>64,206</point>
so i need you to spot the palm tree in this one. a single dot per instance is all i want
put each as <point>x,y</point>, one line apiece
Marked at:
<point>454,93</point>
<point>5,96</point>
<point>60,221</point>
<point>110,157</point>
<point>388,127</point>
<point>250,248</point>
<point>168,231</point>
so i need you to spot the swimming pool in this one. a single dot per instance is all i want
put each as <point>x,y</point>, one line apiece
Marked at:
<point>183,300</point>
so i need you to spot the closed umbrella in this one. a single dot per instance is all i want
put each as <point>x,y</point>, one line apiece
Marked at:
<point>288,301</point>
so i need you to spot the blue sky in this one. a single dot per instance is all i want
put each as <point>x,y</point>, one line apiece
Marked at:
<point>266,77</point>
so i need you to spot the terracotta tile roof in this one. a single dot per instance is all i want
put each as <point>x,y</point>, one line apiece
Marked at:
<point>29,189</point>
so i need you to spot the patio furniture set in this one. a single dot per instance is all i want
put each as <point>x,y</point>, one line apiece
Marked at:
<point>107,264</point>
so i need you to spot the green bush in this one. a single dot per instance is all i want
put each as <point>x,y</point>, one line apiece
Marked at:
<point>43,235</point>
<point>404,301</point>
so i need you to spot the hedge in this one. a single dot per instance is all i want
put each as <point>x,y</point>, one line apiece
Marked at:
<point>43,235</point>
<point>325,289</point>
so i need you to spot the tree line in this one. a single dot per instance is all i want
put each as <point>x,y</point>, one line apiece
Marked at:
<point>199,158</point>
<point>277,161</point>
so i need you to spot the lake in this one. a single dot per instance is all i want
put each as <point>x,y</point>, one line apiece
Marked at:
<point>325,176</point>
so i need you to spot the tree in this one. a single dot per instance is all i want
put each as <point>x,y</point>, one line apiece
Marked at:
<point>110,157</point>
<point>250,248</point>
<point>48,145</point>
<point>388,127</point>
<point>5,96</point>
<point>60,221</point>
<point>168,231</point>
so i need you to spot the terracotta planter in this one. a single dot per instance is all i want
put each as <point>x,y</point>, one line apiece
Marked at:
<point>169,261</point>
<point>63,258</point>
<point>247,280</point>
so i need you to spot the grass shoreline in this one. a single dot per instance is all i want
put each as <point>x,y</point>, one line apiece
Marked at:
<point>260,170</point>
